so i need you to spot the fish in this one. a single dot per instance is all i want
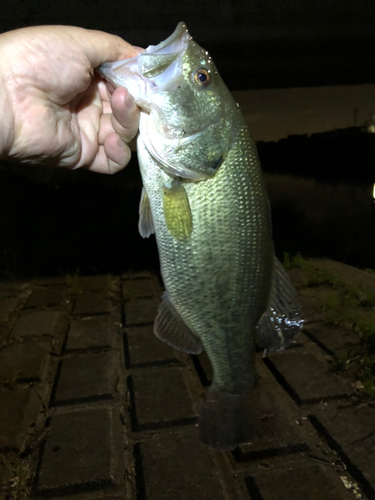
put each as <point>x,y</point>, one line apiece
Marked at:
<point>204,198</point>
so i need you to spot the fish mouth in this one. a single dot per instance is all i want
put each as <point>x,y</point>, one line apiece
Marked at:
<point>176,42</point>
<point>158,68</point>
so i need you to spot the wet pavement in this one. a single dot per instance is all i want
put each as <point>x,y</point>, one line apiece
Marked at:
<point>93,406</point>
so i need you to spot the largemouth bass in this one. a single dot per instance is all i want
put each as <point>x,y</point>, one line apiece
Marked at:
<point>205,200</point>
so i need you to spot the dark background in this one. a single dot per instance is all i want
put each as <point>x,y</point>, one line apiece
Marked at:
<point>54,221</point>
<point>255,43</point>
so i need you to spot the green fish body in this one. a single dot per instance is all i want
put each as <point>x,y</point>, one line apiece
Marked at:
<point>206,202</point>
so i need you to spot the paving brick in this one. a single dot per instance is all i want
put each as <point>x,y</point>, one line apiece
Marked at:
<point>308,379</point>
<point>12,288</point>
<point>91,333</point>
<point>134,289</point>
<point>311,310</point>
<point>178,467</point>
<point>353,431</point>
<point>136,275</point>
<point>18,412</point>
<point>24,362</point>
<point>333,338</point>
<point>46,297</point>
<point>85,377</point>
<point>141,311</point>
<point>53,280</point>
<point>4,332</point>
<point>101,282</point>
<point>89,303</point>
<point>7,306</point>
<point>144,348</point>
<point>36,323</point>
<point>304,481</point>
<point>161,399</point>
<point>8,292</point>
<point>78,454</point>
<point>351,275</point>
<point>275,436</point>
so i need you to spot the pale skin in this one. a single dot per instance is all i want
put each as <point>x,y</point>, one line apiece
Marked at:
<point>55,110</point>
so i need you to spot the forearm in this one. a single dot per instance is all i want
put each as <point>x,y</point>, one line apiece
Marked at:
<point>6,126</point>
<point>6,114</point>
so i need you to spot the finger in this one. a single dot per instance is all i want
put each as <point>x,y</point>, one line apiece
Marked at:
<point>106,127</point>
<point>103,90</point>
<point>107,110</point>
<point>125,119</point>
<point>88,115</point>
<point>112,157</point>
<point>101,47</point>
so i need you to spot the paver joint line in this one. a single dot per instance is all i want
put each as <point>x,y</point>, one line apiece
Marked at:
<point>352,469</point>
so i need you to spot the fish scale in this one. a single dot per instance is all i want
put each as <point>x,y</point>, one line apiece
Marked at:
<point>215,287</point>
<point>205,200</point>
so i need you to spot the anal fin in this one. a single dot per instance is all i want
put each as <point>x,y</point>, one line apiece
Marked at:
<point>282,320</point>
<point>170,328</point>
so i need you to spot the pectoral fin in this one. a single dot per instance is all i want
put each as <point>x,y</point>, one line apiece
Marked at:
<point>170,328</point>
<point>282,321</point>
<point>146,223</point>
<point>177,211</point>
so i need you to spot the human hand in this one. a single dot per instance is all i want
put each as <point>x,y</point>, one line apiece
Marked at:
<point>56,111</point>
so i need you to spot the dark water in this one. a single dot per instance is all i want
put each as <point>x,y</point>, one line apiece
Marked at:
<point>54,221</point>
<point>321,219</point>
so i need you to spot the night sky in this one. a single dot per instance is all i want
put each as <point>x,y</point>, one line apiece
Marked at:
<point>255,43</point>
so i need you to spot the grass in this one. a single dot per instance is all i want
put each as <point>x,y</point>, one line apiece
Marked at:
<point>348,306</point>
<point>16,478</point>
<point>74,284</point>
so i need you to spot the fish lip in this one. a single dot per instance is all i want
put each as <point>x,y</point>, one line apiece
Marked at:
<point>178,35</point>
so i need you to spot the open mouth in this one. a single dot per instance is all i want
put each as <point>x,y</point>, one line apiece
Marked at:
<point>177,42</point>
<point>158,68</point>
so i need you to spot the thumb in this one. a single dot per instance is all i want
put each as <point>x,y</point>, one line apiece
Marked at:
<point>101,47</point>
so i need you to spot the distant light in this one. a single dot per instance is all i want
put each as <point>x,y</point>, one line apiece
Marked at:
<point>373,191</point>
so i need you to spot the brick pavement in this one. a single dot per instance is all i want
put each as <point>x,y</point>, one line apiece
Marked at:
<point>93,406</point>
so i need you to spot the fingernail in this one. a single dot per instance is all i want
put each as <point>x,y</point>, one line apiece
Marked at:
<point>129,101</point>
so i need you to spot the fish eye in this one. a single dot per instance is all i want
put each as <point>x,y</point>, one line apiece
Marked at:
<point>202,77</point>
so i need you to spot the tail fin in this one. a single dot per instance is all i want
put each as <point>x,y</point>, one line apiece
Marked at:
<point>226,420</point>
